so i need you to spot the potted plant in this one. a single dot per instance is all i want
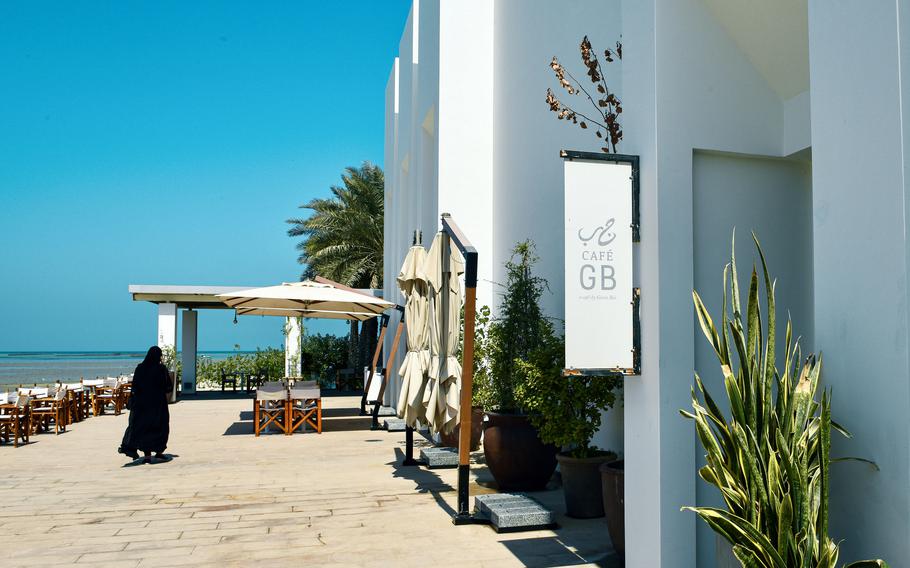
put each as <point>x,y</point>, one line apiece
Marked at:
<point>514,452</point>
<point>170,361</point>
<point>567,412</point>
<point>769,455</point>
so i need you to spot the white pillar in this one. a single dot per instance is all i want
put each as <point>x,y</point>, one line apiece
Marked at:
<point>292,362</point>
<point>188,351</point>
<point>167,325</point>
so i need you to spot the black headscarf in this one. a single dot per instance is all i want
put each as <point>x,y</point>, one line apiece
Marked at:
<point>153,357</point>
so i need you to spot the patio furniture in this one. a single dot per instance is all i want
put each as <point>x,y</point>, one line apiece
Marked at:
<point>229,379</point>
<point>126,390</point>
<point>14,418</point>
<point>256,379</point>
<point>88,394</point>
<point>270,407</point>
<point>75,394</point>
<point>304,407</point>
<point>50,409</point>
<point>108,394</point>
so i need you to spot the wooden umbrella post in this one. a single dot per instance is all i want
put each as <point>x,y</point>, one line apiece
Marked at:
<point>366,389</point>
<point>385,371</point>
<point>463,514</point>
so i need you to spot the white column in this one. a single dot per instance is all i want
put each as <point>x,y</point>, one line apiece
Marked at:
<point>167,325</point>
<point>292,362</point>
<point>861,260</point>
<point>188,351</point>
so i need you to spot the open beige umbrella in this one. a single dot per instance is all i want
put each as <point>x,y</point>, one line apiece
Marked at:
<point>443,266</point>
<point>413,285</point>
<point>306,299</point>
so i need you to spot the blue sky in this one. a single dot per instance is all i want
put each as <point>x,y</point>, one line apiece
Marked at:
<point>166,143</point>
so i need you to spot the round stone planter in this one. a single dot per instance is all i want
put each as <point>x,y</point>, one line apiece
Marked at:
<point>612,476</point>
<point>582,484</point>
<point>517,458</point>
<point>451,440</point>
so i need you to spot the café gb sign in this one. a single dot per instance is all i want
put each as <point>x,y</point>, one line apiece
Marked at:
<point>601,223</point>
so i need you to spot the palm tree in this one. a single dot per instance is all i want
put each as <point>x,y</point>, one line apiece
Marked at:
<point>343,241</point>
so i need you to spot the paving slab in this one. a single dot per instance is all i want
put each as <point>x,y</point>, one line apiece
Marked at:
<point>228,498</point>
<point>439,457</point>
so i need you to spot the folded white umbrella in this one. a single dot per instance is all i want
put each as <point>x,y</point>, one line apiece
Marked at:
<point>443,266</point>
<point>306,299</point>
<point>413,285</point>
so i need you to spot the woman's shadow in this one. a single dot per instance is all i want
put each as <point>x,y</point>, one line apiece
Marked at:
<point>165,458</point>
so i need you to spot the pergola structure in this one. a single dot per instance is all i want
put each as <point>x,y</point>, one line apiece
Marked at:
<point>170,299</point>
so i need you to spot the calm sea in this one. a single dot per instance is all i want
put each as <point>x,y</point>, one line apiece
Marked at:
<point>41,367</point>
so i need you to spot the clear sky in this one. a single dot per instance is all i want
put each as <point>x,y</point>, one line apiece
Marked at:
<point>167,143</point>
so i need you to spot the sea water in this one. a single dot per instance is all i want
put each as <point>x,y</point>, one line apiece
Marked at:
<point>45,367</point>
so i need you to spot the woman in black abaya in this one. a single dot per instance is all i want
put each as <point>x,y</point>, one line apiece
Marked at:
<point>149,424</point>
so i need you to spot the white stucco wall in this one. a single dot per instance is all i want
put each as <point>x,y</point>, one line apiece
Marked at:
<point>861,252</point>
<point>686,86</point>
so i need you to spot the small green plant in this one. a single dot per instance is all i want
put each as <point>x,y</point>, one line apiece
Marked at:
<point>519,330</point>
<point>770,460</point>
<point>170,360</point>
<point>565,410</point>
<point>482,394</point>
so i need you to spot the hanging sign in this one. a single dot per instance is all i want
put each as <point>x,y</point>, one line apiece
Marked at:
<point>600,225</point>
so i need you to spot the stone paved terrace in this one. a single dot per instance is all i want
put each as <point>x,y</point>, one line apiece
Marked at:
<point>230,499</point>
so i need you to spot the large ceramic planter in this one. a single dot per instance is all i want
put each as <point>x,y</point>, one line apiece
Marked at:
<point>517,458</point>
<point>582,484</point>
<point>451,440</point>
<point>614,503</point>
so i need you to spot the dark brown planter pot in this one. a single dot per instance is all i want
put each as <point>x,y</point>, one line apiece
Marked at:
<point>517,458</point>
<point>582,484</point>
<point>451,440</point>
<point>614,503</point>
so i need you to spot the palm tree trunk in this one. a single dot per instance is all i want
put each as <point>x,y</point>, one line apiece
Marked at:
<point>353,342</point>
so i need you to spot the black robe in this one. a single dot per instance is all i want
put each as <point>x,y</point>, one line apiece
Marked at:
<point>149,424</point>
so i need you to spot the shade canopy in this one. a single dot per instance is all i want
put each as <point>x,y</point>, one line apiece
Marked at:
<point>306,299</point>
<point>413,285</point>
<point>443,267</point>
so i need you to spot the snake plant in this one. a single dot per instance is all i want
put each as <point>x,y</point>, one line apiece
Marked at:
<point>770,458</point>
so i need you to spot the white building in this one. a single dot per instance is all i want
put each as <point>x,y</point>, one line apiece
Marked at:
<point>782,116</point>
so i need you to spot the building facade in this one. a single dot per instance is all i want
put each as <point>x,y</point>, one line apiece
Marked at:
<point>783,117</point>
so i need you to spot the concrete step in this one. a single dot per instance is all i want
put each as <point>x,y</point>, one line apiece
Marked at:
<point>509,512</point>
<point>439,457</point>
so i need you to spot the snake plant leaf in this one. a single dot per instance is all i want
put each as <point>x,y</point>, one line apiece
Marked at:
<point>743,534</point>
<point>746,557</point>
<point>707,326</point>
<point>871,463</point>
<point>824,457</point>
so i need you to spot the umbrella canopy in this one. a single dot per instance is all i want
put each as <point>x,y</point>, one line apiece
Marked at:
<point>413,285</point>
<point>306,299</point>
<point>443,266</point>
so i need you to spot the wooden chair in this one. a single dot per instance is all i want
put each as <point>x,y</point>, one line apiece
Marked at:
<point>270,407</point>
<point>88,395</point>
<point>126,391</point>
<point>304,407</point>
<point>47,410</point>
<point>256,380</point>
<point>108,394</point>
<point>74,395</point>
<point>14,420</point>
<point>228,380</point>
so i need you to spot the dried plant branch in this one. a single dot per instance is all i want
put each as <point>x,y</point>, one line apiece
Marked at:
<point>607,105</point>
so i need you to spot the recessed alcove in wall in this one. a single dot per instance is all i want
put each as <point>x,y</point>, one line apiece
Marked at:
<point>773,197</point>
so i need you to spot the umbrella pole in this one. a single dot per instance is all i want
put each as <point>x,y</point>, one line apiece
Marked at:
<point>467,380</point>
<point>385,371</point>
<point>463,515</point>
<point>366,388</point>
